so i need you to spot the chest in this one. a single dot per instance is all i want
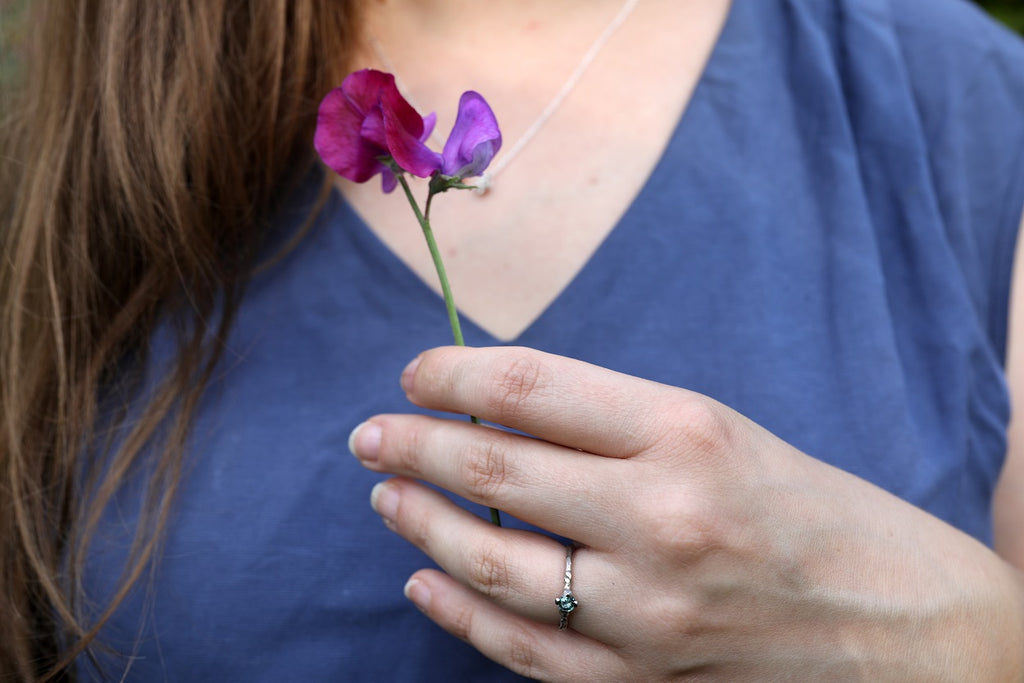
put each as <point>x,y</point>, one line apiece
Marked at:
<point>566,184</point>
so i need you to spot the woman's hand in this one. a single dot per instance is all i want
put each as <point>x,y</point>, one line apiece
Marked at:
<point>709,548</point>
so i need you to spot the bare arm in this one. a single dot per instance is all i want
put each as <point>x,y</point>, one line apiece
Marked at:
<point>1008,506</point>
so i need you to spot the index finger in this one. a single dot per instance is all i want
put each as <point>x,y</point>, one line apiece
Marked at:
<point>558,399</point>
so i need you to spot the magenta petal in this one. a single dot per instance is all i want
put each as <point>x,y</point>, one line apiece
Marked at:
<point>363,88</point>
<point>408,151</point>
<point>367,119</point>
<point>474,139</point>
<point>339,142</point>
<point>373,132</point>
<point>405,133</point>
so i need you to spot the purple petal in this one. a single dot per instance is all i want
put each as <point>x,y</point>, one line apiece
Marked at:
<point>474,139</point>
<point>429,121</point>
<point>388,181</point>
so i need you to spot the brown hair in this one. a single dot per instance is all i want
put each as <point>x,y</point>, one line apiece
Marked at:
<point>138,168</point>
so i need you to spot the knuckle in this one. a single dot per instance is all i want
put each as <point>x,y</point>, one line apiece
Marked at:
<point>704,426</point>
<point>485,470</point>
<point>518,646</point>
<point>409,446</point>
<point>460,623</point>
<point>684,528</point>
<point>415,527</point>
<point>521,649</point>
<point>516,380</point>
<point>489,573</point>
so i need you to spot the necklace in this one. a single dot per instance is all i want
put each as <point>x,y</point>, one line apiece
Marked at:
<point>486,180</point>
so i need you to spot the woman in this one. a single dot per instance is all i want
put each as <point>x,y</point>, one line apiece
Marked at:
<point>802,210</point>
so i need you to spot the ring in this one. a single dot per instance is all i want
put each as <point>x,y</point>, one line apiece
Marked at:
<point>567,602</point>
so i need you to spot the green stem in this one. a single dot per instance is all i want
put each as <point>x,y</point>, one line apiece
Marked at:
<point>449,301</point>
<point>435,253</point>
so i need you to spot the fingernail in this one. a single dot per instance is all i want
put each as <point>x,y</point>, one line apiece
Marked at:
<point>418,592</point>
<point>408,373</point>
<point>384,501</point>
<point>364,441</point>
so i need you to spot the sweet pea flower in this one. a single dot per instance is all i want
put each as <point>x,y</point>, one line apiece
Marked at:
<point>365,119</point>
<point>474,139</point>
<point>365,123</point>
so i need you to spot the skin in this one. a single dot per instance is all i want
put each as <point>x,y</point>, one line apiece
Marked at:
<point>510,254</point>
<point>1008,504</point>
<point>743,559</point>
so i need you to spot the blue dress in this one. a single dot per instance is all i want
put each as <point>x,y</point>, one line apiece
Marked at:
<point>825,246</point>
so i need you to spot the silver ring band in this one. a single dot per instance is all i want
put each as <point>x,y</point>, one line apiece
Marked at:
<point>567,602</point>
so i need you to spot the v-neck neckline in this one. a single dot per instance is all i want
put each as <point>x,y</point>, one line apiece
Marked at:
<point>473,331</point>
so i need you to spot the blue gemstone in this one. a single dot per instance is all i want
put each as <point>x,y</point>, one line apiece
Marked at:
<point>566,603</point>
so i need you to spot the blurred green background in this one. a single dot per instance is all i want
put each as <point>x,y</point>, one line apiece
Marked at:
<point>12,32</point>
<point>1010,12</point>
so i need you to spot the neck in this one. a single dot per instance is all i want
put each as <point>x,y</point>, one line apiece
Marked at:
<point>518,53</point>
<point>453,17</point>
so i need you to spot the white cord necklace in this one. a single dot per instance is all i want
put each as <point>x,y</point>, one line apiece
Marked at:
<point>486,180</point>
